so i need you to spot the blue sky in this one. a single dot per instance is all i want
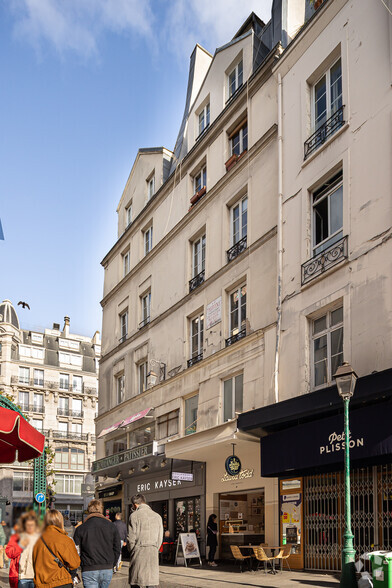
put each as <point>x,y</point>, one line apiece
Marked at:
<point>84,84</point>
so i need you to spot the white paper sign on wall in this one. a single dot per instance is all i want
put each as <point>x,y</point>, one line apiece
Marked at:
<point>214,312</point>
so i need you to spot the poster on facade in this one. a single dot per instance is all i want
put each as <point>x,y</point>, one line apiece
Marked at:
<point>290,512</point>
<point>214,312</point>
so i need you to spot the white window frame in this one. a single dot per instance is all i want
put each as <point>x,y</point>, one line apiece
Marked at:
<point>193,424</point>
<point>142,385</point>
<point>150,187</point>
<point>66,378</point>
<point>147,239</point>
<point>164,421</point>
<point>146,307</point>
<point>38,405</point>
<point>333,237</point>
<point>123,325</point>
<point>239,78</point>
<point>198,255</point>
<point>25,395</point>
<point>239,328</point>
<point>204,119</point>
<point>200,180</point>
<point>120,388</point>
<point>242,144</point>
<point>233,380</point>
<point>128,215</point>
<point>75,381</point>
<point>329,111</point>
<point>198,334</point>
<point>38,377</point>
<point>243,227</point>
<point>325,332</point>
<point>72,483</point>
<point>23,379</point>
<point>126,263</point>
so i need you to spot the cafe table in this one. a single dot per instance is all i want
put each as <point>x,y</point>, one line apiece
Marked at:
<point>271,548</point>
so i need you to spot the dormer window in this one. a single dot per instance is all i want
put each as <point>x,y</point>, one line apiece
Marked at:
<point>235,79</point>
<point>204,118</point>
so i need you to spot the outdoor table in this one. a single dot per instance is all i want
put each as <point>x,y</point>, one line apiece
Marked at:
<point>272,548</point>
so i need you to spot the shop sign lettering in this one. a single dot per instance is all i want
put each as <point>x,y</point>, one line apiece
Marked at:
<point>336,442</point>
<point>157,485</point>
<point>242,475</point>
<point>125,456</point>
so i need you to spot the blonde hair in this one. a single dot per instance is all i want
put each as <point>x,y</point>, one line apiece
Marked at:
<point>95,506</point>
<point>55,518</point>
<point>27,516</point>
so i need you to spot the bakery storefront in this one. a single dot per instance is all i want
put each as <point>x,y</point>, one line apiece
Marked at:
<point>302,446</point>
<point>245,503</point>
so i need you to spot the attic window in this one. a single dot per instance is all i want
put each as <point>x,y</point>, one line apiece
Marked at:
<point>235,79</point>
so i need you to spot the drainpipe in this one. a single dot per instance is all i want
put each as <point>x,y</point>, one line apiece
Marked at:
<point>280,243</point>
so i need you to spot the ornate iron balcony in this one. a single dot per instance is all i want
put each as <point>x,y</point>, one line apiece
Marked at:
<point>32,408</point>
<point>332,124</point>
<point>234,338</point>
<point>196,281</point>
<point>238,248</point>
<point>323,261</point>
<point>195,359</point>
<point>66,435</point>
<point>69,412</point>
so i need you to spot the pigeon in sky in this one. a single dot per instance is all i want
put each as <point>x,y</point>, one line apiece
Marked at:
<point>23,304</point>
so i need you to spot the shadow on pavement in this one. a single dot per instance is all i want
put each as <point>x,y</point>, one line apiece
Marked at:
<point>321,583</point>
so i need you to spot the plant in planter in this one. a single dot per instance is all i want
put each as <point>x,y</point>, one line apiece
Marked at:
<point>198,195</point>
<point>231,161</point>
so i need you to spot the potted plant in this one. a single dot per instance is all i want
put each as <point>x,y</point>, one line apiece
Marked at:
<point>231,161</point>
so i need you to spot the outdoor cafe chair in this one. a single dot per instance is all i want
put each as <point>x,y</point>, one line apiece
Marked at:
<point>239,557</point>
<point>284,555</point>
<point>261,556</point>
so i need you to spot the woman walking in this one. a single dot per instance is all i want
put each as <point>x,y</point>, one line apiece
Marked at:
<point>20,551</point>
<point>212,539</point>
<point>55,555</point>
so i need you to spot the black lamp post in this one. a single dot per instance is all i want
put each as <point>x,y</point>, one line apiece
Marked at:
<point>346,379</point>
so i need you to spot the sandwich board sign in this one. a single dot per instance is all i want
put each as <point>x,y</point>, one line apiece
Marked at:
<point>187,548</point>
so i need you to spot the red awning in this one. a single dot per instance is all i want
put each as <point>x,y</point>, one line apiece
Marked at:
<point>17,435</point>
<point>124,423</point>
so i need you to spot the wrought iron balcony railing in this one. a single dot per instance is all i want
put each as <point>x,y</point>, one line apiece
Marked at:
<point>69,412</point>
<point>144,322</point>
<point>196,281</point>
<point>332,124</point>
<point>32,408</point>
<point>320,263</point>
<point>195,359</point>
<point>66,435</point>
<point>238,248</point>
<point>234,338</point>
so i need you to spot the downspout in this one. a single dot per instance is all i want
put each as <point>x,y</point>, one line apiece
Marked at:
<point>280,242</point>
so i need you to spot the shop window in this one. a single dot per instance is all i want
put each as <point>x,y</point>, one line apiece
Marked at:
<point>141,435</point>
<point>241,512</point>
<point>116,445</point>
<point>327,346</point>
<point>232,397</point>
<point>191,406</point>
<point>327,204</point>
<point>167,424</point>
<point>188,515</point>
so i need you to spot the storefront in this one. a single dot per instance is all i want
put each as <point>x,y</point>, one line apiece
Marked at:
<point>306,455</point>
<point>112,498</point>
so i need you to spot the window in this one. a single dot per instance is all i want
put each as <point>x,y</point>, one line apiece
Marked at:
<point>116,445</point>
<point>37,424</point>
<point>77,384</point>
<point>70,359</point>
<point>150,187</point>
<point>123,326</point>
<point>77,407</point>
<point>197,326</point>
<point>327,203</point>
<point>239,140</point>
<point>237,317</point>
<point>235,79</point>
<point>146,309</point>
<point>200,180</point>
<point>31,352</point>
<point>141,435</point>
<point>68,484</point>
<point>198,255</point>
<point>143,370</point>
<point>147,241</point>
<point>204,118</point>
<point>23,482</point>
<point>77,429</point>
<point>168,424</point>
<point>239,220</point>
<point>38,377</point>
<point>38,402</point>
<point>128,215</point>
<point>327,95</point>
<point>232,397</point>
<point>68,344</point>
<point>126,263</point>
<point>120,389</point>
<point>327,336</point>
<point>64,381</point>
<point>191,405</point>
<point>24,375</point>
<point>69,458</point>
<point>63,405</point>
<point>62,429</point>
<point>24,400</point>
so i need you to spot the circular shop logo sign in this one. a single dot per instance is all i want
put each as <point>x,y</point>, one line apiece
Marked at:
<point>233,465</point>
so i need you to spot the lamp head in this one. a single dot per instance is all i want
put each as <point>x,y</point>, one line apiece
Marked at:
<point>346,379</point>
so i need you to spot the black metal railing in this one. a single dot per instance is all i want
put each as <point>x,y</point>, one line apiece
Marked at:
<point>234,94</point>
<point>69,412</point>
<point>323,261</point>
<point>37,382</point>
<point>332,124</point>
<point>122,338</point>
<point>196,281</point>
<point>237,248</point>
<point>202,132</point>
<point>144,322</point>
<point>195,359</point>
<point>64,386</point>
<point>67,435</point>
<point>32,408</point>
<point>234,338</point>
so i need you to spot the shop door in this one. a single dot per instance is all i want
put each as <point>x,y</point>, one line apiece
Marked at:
<point>161,508</point>
<point>188,515</point>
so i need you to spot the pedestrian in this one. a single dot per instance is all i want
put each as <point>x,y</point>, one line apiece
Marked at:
<point>145,534</point>
<point>99,544</point>
<point>20,551</point>
<point>3,541</point>
<point>122,531</point>
<point>55,557</point>
<point>212,539</point>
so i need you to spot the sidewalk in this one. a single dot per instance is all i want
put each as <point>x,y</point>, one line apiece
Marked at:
<point>205,577</point>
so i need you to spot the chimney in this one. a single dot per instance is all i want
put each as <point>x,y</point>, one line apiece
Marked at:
<point>66,326</point>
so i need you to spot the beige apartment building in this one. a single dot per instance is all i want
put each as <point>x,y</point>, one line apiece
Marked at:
<point>52,375</point>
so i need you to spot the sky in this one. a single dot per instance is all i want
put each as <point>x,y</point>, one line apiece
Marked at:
<point>84,84</point>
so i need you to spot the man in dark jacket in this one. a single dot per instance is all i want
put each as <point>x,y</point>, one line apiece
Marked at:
<point>99,544</point>
<point>122,531</point>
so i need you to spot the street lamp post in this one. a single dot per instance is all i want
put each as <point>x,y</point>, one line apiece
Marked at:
<point>345,381</point>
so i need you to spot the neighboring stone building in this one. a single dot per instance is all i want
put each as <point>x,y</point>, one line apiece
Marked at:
<point>53,377</point>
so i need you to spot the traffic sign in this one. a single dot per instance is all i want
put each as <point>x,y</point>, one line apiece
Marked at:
<point>40,497</point>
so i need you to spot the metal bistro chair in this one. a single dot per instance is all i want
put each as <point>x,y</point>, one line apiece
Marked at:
<point>239,557</point>
<point>284,555</point>
<point>261,556</point>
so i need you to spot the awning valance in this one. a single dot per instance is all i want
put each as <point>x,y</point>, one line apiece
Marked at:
<point>125,422</point>
<point>17,435</point>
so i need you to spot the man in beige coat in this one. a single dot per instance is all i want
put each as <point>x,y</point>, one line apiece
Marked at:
<point>145,535</point>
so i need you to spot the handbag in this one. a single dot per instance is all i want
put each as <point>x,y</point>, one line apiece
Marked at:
<point>73,573</point>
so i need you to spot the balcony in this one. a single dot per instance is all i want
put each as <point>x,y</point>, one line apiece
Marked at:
<point>237,249</point>
<point>70,413</point>
<point>38,408</point>
<point>66,435</point>
<point>193,360</point>
<point>196,281</point>
<point>92,391</point>
<point>234,338</point>
<point>322,262</point>
<point>331,125</point>
<point>144,322</point>
<point>37,382</point>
